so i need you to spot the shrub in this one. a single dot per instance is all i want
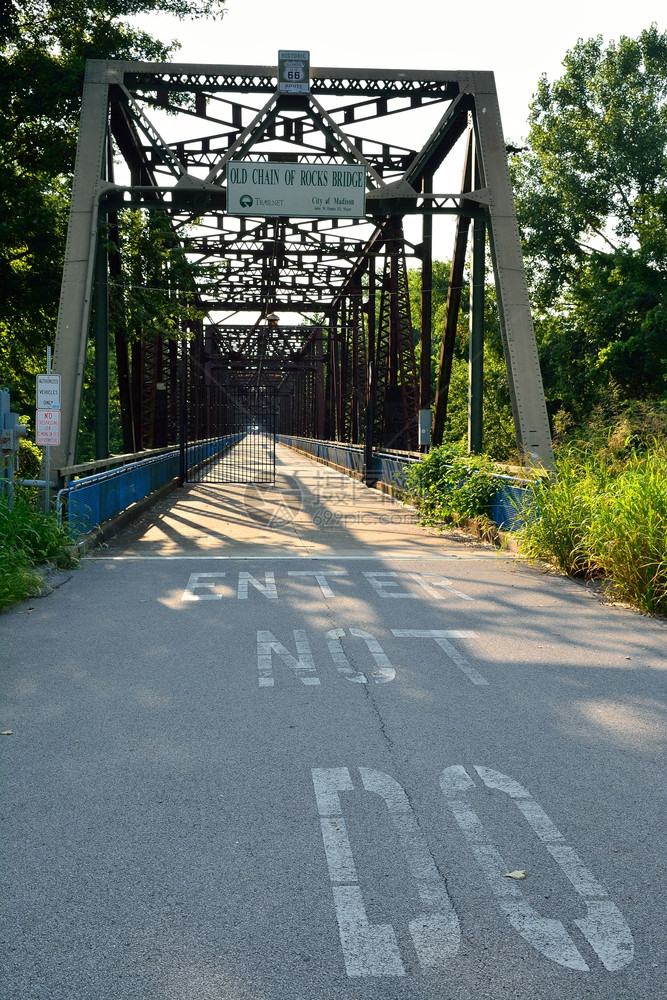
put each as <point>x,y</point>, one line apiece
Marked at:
<point>30,459</point>
<point>448,486</point>
<point>628,534</point>
<point>565,506</point>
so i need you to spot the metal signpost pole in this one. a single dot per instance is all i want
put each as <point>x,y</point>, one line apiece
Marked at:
<point>47,456</point>
<point>47,421</point>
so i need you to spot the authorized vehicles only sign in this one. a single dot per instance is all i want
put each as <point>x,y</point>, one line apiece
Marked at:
<point>296,189</point>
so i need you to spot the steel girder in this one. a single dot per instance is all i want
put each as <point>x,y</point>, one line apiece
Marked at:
<point>325,270</point>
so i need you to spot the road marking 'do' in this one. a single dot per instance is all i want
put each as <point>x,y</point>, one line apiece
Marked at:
<point>603,927</point>
<point>372,949</point>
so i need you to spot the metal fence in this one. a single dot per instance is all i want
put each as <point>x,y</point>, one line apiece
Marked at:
<point>348,456</point>
<point>509,506</point>
<point>91,500</point>
<point>248,413</point>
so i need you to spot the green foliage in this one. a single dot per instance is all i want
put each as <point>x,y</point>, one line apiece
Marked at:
<point>608,521</point>
<point>450,486</point>
<point>28,538</point>
<point>499,433</point>
<point>595,171</point>
<point>30,459</point>
<point>44,45</point>
<point>565,509</point>
<point>591,195</point>
<point>85,446</point>
<point>615,431</point>
<point>150,296</point>
<point>628,534</point>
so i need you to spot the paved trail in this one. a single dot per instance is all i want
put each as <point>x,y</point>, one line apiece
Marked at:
<point>282,743</point>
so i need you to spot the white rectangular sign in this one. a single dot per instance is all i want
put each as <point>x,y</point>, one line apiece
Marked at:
<point>48,392</point>
<point>47,428</point>
<point>305,190</point>
<point>293,72</point>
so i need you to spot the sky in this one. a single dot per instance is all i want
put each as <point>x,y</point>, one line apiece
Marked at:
<point>516,39</point>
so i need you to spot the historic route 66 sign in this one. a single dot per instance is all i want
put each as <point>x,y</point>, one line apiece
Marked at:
<point>293,72</point>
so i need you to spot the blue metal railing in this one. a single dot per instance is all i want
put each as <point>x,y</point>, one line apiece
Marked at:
<point>391,468</point>
<point>347,456</point>
<point>91,500</point>
<point>512,505</point>
<point>509,506</point>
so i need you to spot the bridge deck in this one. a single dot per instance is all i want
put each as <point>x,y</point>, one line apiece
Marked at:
<point>312,510</point>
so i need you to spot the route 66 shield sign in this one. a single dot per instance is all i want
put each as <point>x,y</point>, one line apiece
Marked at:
<point>293,72</point>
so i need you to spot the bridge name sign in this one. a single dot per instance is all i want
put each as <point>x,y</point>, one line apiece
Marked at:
<point>331,190</point>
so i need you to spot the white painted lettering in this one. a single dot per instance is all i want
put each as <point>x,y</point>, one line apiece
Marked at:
<point>268,588</point>
<point>380,582</point>
<point>436,935</point>
<point>434,585</point>
<point>372,949</point>
<point>604,927</point>
<point>441,637</point>
<point>340,659</point>
<point>384,671</point>
<point>201,581</point>
<point>320,577</point>
<point>303,666</point>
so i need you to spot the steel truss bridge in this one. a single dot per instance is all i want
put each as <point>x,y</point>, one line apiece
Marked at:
<point>315,308</point>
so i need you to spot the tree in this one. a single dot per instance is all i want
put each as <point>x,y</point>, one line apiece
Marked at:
<point>591,194</point>
<point>44,45</point>
<point>499,433</point>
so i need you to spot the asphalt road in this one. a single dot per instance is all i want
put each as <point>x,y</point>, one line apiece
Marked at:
<point>281,743</point>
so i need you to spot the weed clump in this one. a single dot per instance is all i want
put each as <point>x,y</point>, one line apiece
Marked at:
<point>606,521</point>
<point>28,538</point>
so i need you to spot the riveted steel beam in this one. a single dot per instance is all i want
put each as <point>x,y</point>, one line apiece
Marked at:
<point>80,251</point>
<point>307,266</point>
<point>516,324</point>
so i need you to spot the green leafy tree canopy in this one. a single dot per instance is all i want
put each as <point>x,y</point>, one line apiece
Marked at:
<point>44,45</point>
<point>595,177</point>
<point>591,195</point>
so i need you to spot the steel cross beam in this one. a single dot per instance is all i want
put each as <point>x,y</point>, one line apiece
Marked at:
<point>300,265</point>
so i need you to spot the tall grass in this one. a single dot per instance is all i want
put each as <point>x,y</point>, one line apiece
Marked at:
<point>28,539</point>
<point>608,521</point>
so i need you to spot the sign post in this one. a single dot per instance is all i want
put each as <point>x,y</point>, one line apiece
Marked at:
<point>47,420</point>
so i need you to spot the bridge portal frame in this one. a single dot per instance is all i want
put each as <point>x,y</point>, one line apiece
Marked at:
<point>400,184</point>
